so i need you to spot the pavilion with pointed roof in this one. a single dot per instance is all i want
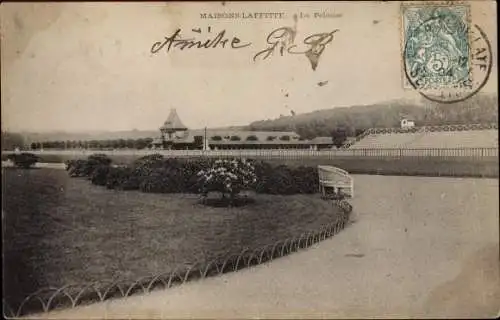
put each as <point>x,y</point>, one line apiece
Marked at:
<point>175,135</point>
<point>172,128</point>
<point>173,123</point>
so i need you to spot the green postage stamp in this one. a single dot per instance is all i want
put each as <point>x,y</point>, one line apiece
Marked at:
<point>445,57</point>
<point>436,46</point>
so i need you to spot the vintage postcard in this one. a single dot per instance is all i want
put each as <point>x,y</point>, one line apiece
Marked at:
<point>235,160</point>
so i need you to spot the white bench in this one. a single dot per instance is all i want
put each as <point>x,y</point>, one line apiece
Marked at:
<point>336,178</point>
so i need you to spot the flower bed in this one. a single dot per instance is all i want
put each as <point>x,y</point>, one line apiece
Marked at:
<point>155,174</point>
<point>123,237</point>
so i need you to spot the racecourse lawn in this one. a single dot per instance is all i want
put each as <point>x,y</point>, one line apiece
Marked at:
<point>60,230</point>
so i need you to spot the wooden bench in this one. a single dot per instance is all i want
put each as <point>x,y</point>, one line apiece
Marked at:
<point>336,178</point>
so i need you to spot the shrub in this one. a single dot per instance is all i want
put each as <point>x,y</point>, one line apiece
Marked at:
<point>271,138</point>
<point>228,176</point>
<point>163,180</point>
<point>99,176</point>
<point>85,168</point>
<point>285,180</point>
<point>77,168</point>
<point>24,160</point>
<point>278,180</point>
<point>252,138</point>
<point>216,138</point>
<point>285,138</point>
<point>263,171</point>
<point>142,165</point>
<point>190,174</point>
<point>171,176</point>
<point>99,159</point>
<point>122,178</point>
<point>235,138</point>
<point>306,179</point>
<point>150,157</point>
<point>69,164</point>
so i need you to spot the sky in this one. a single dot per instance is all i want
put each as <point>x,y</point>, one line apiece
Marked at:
<point>89,66</point>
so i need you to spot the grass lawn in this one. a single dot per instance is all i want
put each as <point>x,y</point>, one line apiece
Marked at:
<point>60,230</point>
<point>486,167</point>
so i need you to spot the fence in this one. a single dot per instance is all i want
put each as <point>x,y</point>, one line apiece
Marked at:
<point>73,295</point>
<point>287,154</point>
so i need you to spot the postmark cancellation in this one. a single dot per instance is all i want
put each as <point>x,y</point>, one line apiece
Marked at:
<point>445,57</point>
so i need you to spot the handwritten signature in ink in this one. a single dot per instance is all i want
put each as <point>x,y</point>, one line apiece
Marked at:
<point>283,41</point>
<point>175,41</point>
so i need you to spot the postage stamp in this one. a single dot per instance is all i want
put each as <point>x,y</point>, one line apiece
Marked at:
<point>440,52</point>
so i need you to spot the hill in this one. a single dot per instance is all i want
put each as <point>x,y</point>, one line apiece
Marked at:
<point>482,108</point>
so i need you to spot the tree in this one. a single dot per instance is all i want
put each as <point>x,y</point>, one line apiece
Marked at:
<point>115,144</point>
<point>122,143</point>
<point>149,142</point>
<point>93,144</point>
<point>229,177</point>
<point>141,144</point>
<point>285,138</point>
<point>252,138</point>
<point>130,143</point>
<point>339,136</point>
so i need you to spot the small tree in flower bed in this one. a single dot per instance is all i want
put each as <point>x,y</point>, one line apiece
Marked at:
<point>228,177</point>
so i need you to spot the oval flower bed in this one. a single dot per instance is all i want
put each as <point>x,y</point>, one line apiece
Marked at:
<point>62,231</point>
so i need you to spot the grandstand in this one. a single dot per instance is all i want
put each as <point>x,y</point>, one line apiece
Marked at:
<point>436,137</point>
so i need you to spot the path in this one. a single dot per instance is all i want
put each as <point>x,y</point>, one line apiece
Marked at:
<point>420,247</point>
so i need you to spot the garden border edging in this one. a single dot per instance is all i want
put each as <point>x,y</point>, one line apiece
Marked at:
<point>199,270</point>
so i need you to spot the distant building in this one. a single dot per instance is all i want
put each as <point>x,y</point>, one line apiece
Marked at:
<point>405,123</point>
<point>175,135</point>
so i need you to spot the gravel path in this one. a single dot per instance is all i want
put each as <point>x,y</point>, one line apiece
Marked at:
<point>419,247</point>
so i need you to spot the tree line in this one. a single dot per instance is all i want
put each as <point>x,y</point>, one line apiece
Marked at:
<point>141,143</point>
<point>352,121</point>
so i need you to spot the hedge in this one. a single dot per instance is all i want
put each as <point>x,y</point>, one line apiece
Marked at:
<point>23,160</point>
<point>155,174</point>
